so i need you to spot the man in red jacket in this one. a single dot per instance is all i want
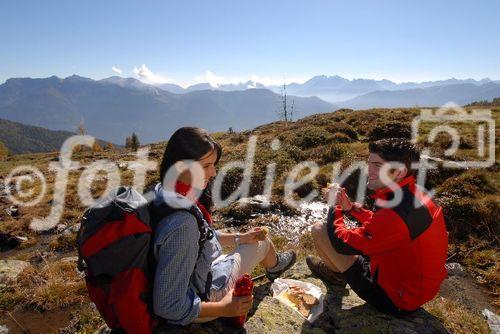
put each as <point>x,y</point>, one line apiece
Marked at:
<point>395,258</point>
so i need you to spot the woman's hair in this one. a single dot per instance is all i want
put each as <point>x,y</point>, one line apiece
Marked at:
<point>190,143</point>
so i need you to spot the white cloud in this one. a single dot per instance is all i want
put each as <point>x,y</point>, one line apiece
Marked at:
<point>276,81</point>
<point>116,70</point>
<point>211,78</point>
<point>216,80</point>
<point>146,75</point>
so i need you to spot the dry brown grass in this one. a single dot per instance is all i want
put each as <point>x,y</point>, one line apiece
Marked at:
<point>85,320</point>
<point>484,264</point>
<point>63,242</point>
<point>457,318</point>
<point>52,286</point>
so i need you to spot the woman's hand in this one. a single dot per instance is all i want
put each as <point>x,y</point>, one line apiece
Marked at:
<point>256,234</point>
<point>232,306</point>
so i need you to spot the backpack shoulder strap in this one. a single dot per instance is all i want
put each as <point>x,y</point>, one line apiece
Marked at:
<point>158,212</point>
<point>80,265</point>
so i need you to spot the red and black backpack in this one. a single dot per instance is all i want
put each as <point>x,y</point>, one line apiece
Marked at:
<point>115,253</point>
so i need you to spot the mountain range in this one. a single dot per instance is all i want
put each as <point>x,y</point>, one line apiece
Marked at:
<point>112,109</point>
<point>356,93</point>
<point>173,88</point>
<point>460,94</point>
<point>337,89</point>
<point>334,89</point>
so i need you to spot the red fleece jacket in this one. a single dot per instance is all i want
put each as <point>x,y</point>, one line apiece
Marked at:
<point>407,244</point>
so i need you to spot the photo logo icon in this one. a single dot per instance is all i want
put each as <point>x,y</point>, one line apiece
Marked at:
<point>478,126</point>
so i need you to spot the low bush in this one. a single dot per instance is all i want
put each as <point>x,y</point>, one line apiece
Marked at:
<point>390,130</point>
<point>465,217</point>
<point>340,137</point>
<point>341,127</point>
<point>312,137</point>
<point>334,153</point>
<point>467,185</point>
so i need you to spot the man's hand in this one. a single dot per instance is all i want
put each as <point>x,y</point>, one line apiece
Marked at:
<point>256,234</point>
<point>336,195</point>
<point>235,306</point>
<point>345,202</point>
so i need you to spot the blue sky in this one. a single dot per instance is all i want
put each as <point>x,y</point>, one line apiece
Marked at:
<point>271,41</point>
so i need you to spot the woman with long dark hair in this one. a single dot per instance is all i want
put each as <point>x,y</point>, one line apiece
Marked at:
<point>194,280</point>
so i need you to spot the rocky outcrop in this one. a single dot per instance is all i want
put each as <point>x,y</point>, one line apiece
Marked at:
<point>493,321</point>
<point>344,312</point>
<point>10,269</point>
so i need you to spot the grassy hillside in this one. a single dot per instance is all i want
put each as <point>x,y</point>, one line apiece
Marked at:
<point>22,138</point>
<point>469,198</point>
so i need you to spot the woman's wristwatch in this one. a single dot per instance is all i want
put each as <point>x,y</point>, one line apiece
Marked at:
<point>237,239</point>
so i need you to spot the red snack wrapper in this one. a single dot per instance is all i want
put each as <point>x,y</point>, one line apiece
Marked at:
<point>242,287</point>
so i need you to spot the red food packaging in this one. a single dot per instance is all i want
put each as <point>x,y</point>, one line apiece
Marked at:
<point>242,287</point>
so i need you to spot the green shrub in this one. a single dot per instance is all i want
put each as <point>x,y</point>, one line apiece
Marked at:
<point>264,156</point>
<point>322,180</point>
<point>344,128</point>
<point>436,177</point>
<point>312,137</point>
<point>470,206</point>
<point>315,154</point>
<point>340,137</point>
<point>390,130</point>
<point>363,121</point>
<point>63,242</point>
<point>239,212</point>
<point>344,110</point>
<point>333,153</point>
<point>295,153</point>
<point>470,184</point>
<point>307,188</point>
<point>444,141</point>
<point>231,182</point>
<point>465,217</point>
<point>284,162</point>
<point>237,138</point>
<point>286,137</point>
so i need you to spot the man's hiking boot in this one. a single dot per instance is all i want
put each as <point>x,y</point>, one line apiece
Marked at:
<point>285,261</point>
<point>319,269</point>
